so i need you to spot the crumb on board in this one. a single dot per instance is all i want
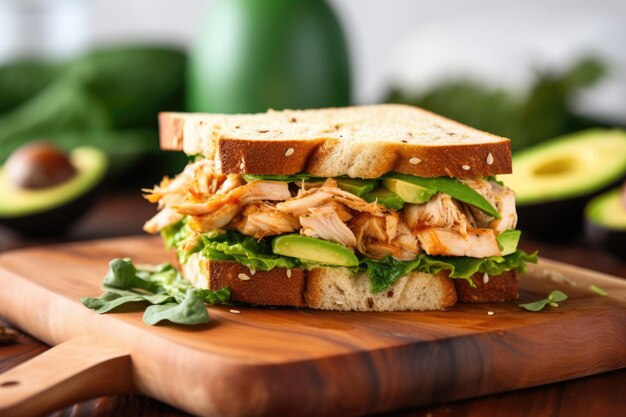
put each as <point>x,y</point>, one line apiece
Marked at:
<point>235,311</point>
<point>490,313</point>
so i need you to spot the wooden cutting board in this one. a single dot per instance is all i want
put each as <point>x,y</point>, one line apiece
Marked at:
<point>268,361</point>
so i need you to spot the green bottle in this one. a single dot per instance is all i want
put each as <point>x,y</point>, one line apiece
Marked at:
<point>252,55</point>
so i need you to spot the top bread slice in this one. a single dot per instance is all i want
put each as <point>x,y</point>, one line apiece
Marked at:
<point>360,142</point>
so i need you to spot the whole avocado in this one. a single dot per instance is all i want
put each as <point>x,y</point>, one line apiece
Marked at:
<point>253,55</point>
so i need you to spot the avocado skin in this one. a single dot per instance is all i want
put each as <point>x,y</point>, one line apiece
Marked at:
<point>558,219</point>
<point>613,241</point>
<point>56,220</point>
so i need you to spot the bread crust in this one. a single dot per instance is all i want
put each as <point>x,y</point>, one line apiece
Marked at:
<point>340,289</point>
<point>500,288</point>
<point>328,156</point>
<point>276,287</point>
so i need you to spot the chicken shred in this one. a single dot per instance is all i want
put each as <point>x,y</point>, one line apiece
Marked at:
<point>478,243</point>
<point>440,211</point>
<point>502,198</point>
<point>221,208</point>
<point>262,219</point>
<point>325,223</point>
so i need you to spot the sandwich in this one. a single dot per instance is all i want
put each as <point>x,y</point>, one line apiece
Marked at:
<point>369,208</point>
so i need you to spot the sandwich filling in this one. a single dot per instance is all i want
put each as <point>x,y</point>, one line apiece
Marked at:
<point>388,226</point>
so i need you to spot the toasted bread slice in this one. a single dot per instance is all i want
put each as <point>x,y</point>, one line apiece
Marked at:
<point>360,142</point>
<point>339,289</point>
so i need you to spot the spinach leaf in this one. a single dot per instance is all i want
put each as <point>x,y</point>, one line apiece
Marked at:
<point>172,297</point>
<point>190,311</point>
<point>110,301</point>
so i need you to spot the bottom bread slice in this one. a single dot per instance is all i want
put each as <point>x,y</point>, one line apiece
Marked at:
<point>339,288</point>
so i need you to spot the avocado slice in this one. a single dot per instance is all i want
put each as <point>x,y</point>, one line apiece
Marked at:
<point>47,210</point>
<point>313,249</point>
<point>605,224</point>
<point>409,192</point>
<point>385,197</point>
<point>555,179</point>
<point>356,186</point>
<point>508,241</point>
<point>452,187</point>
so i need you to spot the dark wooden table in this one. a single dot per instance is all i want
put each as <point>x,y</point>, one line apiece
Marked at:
<point>123,214</point>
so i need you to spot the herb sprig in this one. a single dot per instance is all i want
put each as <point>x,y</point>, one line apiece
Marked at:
<point>172,297</point>
<point>553,299</point>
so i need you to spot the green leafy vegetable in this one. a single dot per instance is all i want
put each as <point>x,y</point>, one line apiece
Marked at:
<point>553,299</point>
<point>544,112</point>
<point>451,186</point>
<point>384,272</point>
<point>598,290</point>
<point>248,251</point>
<point>190,311</point>
<point>173,298</point>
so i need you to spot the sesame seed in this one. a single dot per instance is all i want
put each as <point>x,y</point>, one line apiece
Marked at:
<point>466,167</point>
<point>485,278</point>
<point>235,311</point>
<point>252,271</point>
<point>243,277</point>
<point>414,161</point>
<point>289,152</point>
<point>490,313</point>
<point>242,165</point>
<point>553,304</point>
<point>289,273</point>
<point>489,159</point>
<point>404,141</point>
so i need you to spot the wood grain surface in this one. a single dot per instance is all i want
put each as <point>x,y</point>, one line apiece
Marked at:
<point>303,362</point>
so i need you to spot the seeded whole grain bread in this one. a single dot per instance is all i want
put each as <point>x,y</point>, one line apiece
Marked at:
<point>339,289</point>
<point>360,142</point>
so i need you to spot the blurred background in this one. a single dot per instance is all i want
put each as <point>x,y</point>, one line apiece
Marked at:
<point>96,73</point>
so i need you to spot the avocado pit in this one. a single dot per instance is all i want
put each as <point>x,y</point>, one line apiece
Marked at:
<point>39,165</point>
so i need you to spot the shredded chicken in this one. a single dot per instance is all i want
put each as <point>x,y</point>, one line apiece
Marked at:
<point>162,219</point>
<point>478,243</point>
<point>221,208</point>
<point>325,223</point>
<point>197,182</point>
<point>502,198</point>
<point>329,191</point>
<point>263,219</point>
<point>440,211</point>
<point>378,237</point>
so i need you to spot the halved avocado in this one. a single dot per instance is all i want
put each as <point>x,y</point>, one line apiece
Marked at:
<point>43,211</point>
<point>605,224</point>
<point>555,179</point>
